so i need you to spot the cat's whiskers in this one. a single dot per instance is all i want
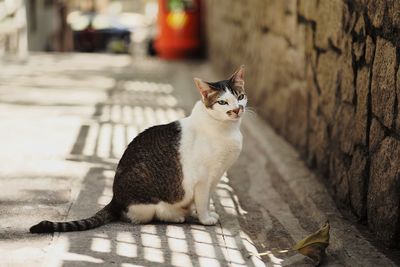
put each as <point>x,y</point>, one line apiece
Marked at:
<point>250,111</point>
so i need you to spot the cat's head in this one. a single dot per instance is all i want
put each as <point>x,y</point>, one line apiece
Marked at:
<point>226,99</point>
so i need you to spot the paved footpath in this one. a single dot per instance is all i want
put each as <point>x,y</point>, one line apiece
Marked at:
<point>65,120</point>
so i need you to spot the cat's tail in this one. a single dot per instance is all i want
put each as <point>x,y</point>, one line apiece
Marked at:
<point>106,215</point>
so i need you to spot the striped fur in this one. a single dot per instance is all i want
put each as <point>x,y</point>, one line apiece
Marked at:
<point>103,216</point>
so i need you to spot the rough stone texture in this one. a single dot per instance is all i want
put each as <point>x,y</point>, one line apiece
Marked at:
<point>376,11</point>
<point>398,94</point>
<point>347,89</point>
<point>325,75</point>
<point>393,7</point>
<point>343,127</point>
<point>384,190</point>
<point>376,134</point>
<point>358,183</point>
<point>369,50</point>
<point>383,93</point>
<point>340,179</point>
<point>308,9</point>
<point>361,117</point>
<point>297,115</point>
<point>329,23</point>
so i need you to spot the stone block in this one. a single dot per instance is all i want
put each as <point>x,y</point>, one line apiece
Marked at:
<point>394,12</point>
<point>384,191</point>
<point>361,116</point>
<point>274,15</point>
<point>358,181</point>
<point>296,120</point>
<point>361,2</point>
<point>369,50</point>
<point>359,27</point>
<point>293,62</point>
<point>318,143</point>
<point>309,41</point>
<point>339,177</point>
<point>376,12</point>
<point>347,74</point>
<point>383,93</point>
<point>376,134</point>
<point>329,23</point>
<point>308,9</point>
<point>343,127</point>
<point>327,77</point>
<point>398,100</point>
<point>275,108</point>
<point>314,98</point>
<point>359,49</point>
<point>358,46</point>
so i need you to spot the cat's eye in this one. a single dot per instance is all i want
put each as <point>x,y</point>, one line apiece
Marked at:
<point>240,97</point>
<point>222,102</point>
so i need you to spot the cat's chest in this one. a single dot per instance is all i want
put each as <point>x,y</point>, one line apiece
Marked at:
<point>205,150</point>
<point>217,151</point>
<point>226,146</point>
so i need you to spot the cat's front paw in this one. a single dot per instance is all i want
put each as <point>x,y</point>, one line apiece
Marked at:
<point>208,220</point>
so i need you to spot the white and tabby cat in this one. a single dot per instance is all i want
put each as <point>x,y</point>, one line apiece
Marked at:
<point>169,170</point>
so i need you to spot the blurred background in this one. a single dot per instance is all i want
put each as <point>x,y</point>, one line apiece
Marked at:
<point>105,26</point>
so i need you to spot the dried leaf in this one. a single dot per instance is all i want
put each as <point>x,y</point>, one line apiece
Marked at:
<point>314,245</point>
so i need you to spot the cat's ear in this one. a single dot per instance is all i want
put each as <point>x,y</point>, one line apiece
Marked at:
<point>238,77</point>
<point>203,87</point>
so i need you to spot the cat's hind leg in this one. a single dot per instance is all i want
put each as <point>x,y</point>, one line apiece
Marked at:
<point>171,213</point>
<point>141,213</point>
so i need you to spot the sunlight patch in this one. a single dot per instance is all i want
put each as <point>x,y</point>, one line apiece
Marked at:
<point>178,245</point>
<point>181,259</point>
<point>201,236</point>
<point>80,257</point>
<point>150,240</point>
<point>153,254</point>
<point>175,232</point>
<point>127,250</point>
<point>207,262</point>
<point>100,245</point>
<point>205,250</point>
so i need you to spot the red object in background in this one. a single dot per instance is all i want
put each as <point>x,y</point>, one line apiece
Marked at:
<point>179,25</point>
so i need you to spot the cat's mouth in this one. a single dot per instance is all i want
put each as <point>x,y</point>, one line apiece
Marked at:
<point>235,114</point>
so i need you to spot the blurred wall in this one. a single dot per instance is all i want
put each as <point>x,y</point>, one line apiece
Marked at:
<point>326,75</point>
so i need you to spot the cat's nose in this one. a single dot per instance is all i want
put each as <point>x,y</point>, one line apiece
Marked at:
<point>236,110</point>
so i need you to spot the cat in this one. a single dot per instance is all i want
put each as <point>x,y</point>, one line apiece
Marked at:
<point>170,170</point>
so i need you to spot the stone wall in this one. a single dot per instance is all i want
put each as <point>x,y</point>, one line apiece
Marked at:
<point>325,74</point>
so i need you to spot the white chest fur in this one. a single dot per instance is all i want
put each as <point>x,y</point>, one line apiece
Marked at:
<point>208,148</point>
